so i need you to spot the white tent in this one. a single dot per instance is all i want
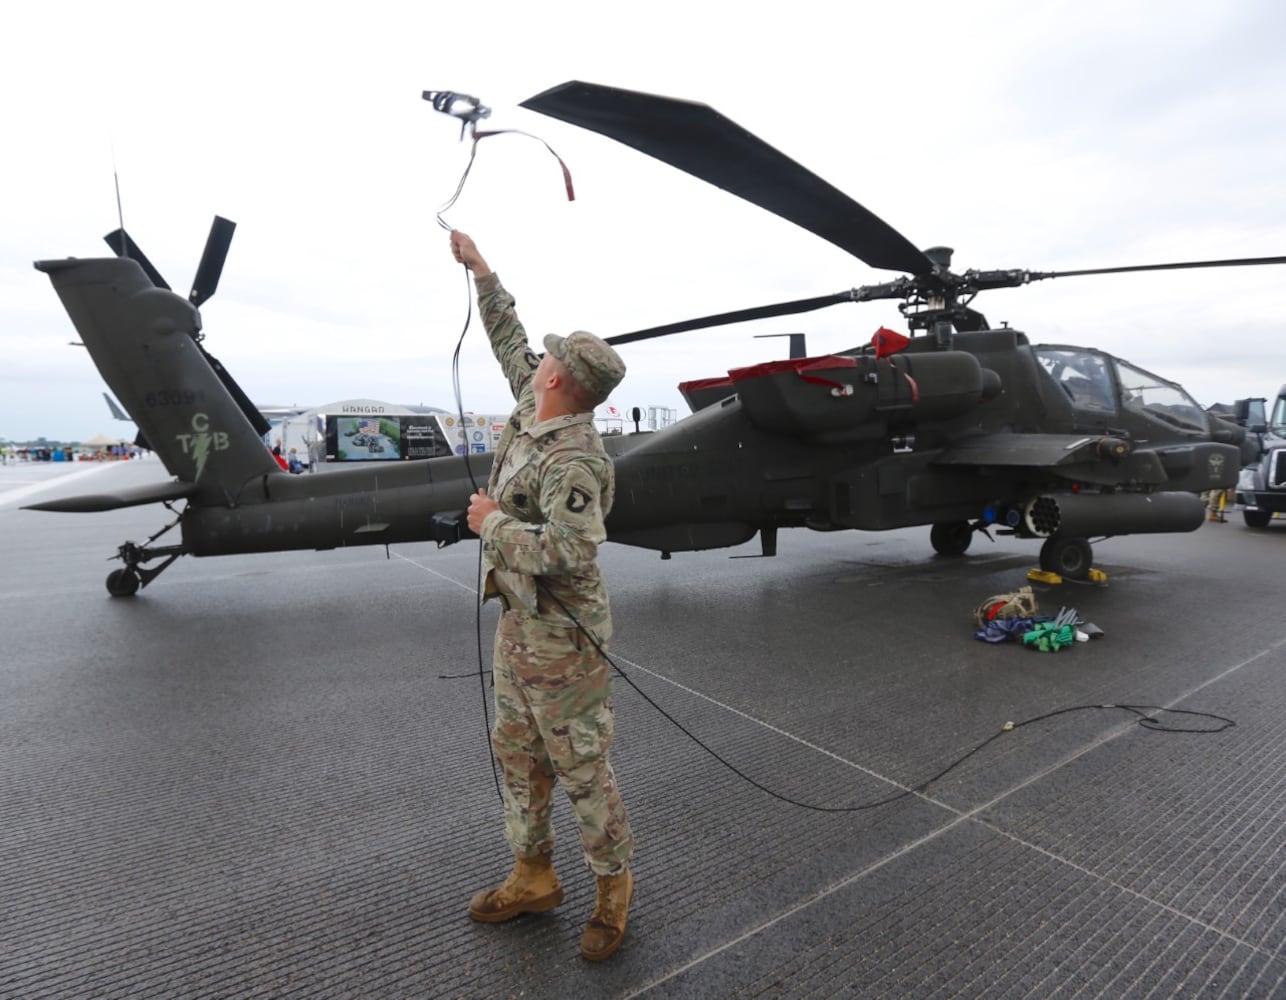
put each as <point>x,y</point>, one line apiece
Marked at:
<point>102,441</point>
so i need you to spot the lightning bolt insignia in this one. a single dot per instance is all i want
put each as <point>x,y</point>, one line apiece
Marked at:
<point>201,452</point>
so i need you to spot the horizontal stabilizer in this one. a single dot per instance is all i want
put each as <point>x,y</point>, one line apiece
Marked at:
<point>91,503</point>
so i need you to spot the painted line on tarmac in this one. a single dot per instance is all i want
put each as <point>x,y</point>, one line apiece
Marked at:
<point>974,813</point>
<point>441,576</point>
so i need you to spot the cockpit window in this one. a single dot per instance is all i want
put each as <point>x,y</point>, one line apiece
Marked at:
<point>1155,396</point>
<point>1082,375</point>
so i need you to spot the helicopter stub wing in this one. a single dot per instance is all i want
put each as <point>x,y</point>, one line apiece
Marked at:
<point>1019,449</point>
<point>1054,451</point>
<point>700,141</point>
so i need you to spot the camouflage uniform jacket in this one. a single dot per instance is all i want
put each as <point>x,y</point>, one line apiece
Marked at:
<point>554,483</point>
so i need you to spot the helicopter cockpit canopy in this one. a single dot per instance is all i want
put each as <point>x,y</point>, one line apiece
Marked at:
<point>1155,396</point>
<point>1100,384</point>
<point>1084,375</point>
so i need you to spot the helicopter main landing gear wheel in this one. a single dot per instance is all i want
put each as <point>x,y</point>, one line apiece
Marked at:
<point>1068,557</point>
<point>951,538</point>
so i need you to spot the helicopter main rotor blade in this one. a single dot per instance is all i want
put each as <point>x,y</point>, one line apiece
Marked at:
<point>740,316</point>
<point>1178,266</point>
<point>702,142</point>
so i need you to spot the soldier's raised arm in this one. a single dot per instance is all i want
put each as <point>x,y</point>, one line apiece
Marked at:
<point>504,330</point>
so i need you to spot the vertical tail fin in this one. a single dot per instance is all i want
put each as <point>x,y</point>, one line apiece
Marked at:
<point>143,339</point>
<point>117,412</point>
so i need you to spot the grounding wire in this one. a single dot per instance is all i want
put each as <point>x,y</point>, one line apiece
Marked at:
<point>459,401</point>
<point>1145,720</point>
<point>468,468</point>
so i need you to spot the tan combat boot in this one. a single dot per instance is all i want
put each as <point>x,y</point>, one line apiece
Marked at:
<point>606,925</point>
<point>532,887</point>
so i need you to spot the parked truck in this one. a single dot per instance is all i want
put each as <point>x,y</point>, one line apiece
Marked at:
<point>1261,487</point>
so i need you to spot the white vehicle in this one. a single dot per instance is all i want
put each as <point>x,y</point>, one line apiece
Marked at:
<point>1261,487</point>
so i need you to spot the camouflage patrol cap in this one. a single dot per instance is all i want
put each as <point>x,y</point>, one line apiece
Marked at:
<point>591,360</point>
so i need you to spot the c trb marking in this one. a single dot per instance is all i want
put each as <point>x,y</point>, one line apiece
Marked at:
<point>201,442</point>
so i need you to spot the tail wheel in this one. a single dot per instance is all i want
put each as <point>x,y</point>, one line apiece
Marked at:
<point>122,583</point>
<point>1069,557</point>
<point>951,538</point>
<point>1257,518</point>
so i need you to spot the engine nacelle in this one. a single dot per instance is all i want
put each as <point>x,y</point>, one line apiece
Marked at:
<point>811,395</point>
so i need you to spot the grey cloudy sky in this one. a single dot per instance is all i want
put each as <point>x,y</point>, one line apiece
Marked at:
<point>1047,136</point>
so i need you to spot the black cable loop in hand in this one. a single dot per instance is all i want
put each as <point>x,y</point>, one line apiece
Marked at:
<point>473,153</point>
<point>477,618</point>
<point>442,223</point>
<point>441,102</point>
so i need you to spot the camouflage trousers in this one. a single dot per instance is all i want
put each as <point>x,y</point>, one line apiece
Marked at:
<point>554,721</point>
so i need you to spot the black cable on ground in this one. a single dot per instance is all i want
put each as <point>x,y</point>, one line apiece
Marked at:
<point>1146,718</point>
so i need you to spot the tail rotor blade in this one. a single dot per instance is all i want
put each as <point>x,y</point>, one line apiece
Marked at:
<point>211,266</point>
<point>257,419</point>
<point>123,246</point>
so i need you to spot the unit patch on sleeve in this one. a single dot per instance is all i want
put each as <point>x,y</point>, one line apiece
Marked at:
<point>577,499</point>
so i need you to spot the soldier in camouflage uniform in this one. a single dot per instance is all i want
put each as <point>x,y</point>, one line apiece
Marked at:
<point>541,520</point>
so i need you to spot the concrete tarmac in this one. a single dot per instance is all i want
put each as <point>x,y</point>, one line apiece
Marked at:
<point>268,776</point>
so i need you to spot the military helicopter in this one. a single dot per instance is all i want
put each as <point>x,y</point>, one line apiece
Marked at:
<point>960,427</point>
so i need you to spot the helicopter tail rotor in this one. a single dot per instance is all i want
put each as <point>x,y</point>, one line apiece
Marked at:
<point>212,259</point>
<point>208,271</point>
<point>204,285</point>
<point>123,246</point>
